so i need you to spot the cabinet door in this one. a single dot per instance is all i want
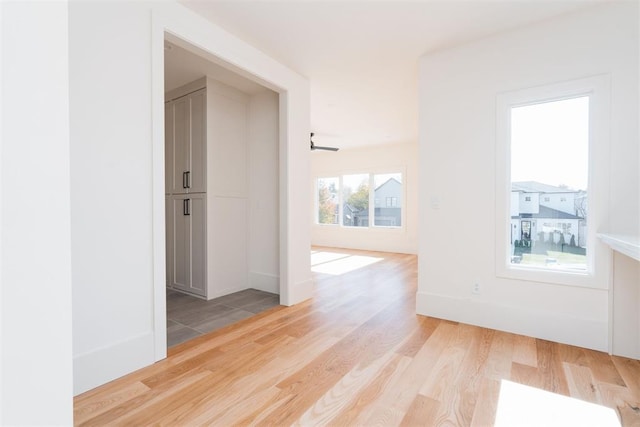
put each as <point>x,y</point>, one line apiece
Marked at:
<point>181,145</point>
<point>181,243</point>
<point>198,211</point>
<point>168,211</point>
<point>188,243</point>
<point>168,147</point>
<point>198,151</point>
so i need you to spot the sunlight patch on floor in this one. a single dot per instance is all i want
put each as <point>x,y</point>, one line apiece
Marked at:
<point>336,264</point>
<point>320,257</point>
<point>521,405</point>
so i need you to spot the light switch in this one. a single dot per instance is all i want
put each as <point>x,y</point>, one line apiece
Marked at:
<point>435,203</point>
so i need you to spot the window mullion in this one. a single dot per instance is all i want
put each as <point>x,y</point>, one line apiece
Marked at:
<point>372,207</point>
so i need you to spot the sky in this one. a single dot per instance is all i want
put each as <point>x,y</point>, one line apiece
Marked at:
<point>550,143</point>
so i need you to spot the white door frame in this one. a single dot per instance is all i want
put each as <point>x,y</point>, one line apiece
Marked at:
<point>193,32</point>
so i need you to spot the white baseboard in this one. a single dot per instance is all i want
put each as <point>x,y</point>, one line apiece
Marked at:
<point>98,367</point>
<point>226,291</point>
<point>587,333</point>
<point>264,282</point>
<point>301,291</point>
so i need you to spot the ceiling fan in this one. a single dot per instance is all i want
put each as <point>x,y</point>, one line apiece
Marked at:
<point>317,147</point>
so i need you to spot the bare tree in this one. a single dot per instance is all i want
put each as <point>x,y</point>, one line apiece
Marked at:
<point>580,204</point>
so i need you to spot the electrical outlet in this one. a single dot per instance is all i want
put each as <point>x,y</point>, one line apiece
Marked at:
<point>476,288</point>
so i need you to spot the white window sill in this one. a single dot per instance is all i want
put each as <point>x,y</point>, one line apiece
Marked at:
<point>627,245</point>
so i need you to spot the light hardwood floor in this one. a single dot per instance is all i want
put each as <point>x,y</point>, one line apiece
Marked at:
<point>356,354</point>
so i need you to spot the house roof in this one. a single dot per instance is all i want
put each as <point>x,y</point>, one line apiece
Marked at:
<point>386,182</point>
<point>547,212</point>
<point>538,187</point>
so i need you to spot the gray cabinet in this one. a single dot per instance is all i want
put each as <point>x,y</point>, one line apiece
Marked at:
<point>207,154</point>
<point>186,243</point>
<point>185,186</point>
<point>185,144</point>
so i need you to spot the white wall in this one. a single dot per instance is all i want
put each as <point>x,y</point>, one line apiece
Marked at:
<point>626,306</point>
<point>458,90</point>
<point>117,177</point>
<point>377,159</point>
<point>35,252</point>
<point>110,68</point>
<point>264,245</point>
<point>227,190</point>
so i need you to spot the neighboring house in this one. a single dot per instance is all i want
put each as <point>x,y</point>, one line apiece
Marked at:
<point>354,218</point>
<point>387,207</point>
<point>540,208</point>
<point>387,203</point>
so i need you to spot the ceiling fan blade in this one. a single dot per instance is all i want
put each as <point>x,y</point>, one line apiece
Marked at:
<point>316,147</point>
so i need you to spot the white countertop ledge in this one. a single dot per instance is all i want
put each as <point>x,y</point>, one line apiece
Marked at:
<point>625,244</point>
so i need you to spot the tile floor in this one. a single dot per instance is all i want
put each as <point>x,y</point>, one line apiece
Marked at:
<point>189,317</point>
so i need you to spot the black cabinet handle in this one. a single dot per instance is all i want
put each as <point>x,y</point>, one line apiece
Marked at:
<point>184,180</point>
<point>188,179</point>
<point>186,207</point>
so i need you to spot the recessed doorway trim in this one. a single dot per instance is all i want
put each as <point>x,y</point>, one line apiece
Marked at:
<point>182,26</point>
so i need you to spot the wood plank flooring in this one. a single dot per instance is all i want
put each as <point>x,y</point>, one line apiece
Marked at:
<point>355,354</point>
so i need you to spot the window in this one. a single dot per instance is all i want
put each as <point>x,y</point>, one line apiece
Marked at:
<point>346,200</point>
<point>527,199</point>
<point>327,200</point>
<point>546,199</point>
<point>548,133</point>
<point>355,200</point>
<point>553,139</point>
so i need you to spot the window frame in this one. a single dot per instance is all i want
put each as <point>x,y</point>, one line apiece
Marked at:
<point>597,88</point>
<point>371,173</point>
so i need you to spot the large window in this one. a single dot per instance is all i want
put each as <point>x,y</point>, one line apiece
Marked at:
<point>549,165</point>
<point>351,200</point>
<point>552,182</point>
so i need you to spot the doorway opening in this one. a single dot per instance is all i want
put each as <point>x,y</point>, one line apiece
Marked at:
<point>221,194</point>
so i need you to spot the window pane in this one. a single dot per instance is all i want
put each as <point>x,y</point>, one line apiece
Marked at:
<point>355,199</point>
<point>327,200</point>
<point>388,196</point>
<point>549,176</point>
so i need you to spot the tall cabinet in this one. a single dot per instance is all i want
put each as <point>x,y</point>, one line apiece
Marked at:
<point>185,191</point>
<point>209,199</point>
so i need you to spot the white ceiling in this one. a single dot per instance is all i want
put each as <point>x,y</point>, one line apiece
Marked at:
<point>361,57</point>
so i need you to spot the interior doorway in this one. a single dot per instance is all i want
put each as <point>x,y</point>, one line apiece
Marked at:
<point>221,194</point>
<point>293,281</point>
